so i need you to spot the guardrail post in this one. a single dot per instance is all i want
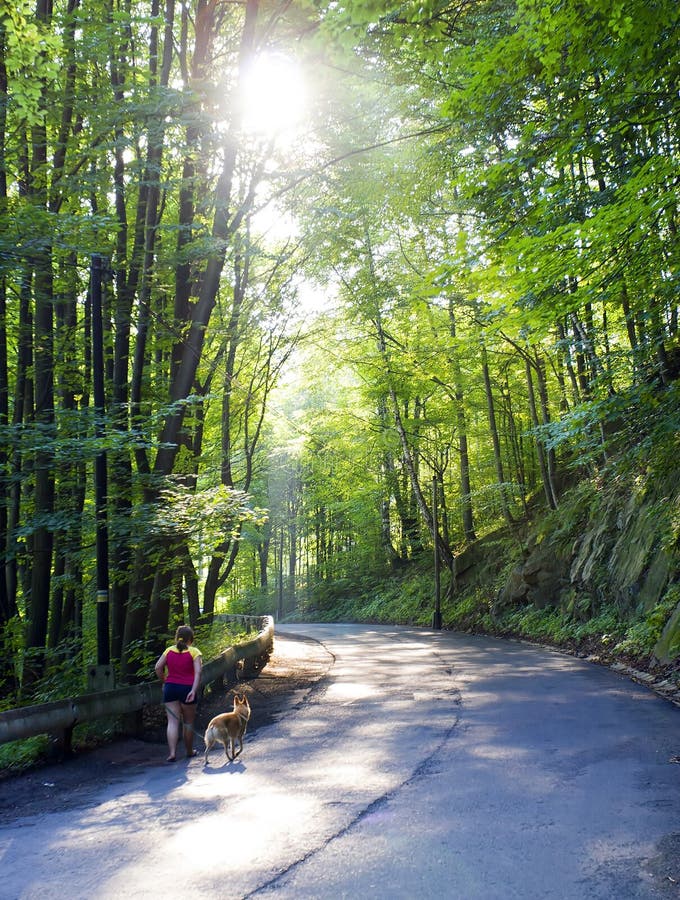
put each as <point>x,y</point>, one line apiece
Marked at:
<point>100,678</point>
<point>132,723</point>
<point>60,744</point>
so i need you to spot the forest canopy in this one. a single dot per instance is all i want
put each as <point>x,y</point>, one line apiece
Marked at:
<point>315,287</point>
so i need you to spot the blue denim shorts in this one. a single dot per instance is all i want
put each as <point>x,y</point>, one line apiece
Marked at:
<point>172,692</point>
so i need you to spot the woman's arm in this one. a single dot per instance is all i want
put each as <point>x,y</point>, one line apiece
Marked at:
<point>159,668</point>
<point>198,663</point>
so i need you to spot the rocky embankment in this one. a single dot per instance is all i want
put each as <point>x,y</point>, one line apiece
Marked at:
<point>612,547</point>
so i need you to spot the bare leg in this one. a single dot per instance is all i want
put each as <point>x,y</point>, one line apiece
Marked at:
<point>173,711</point>
<point>189,717</point>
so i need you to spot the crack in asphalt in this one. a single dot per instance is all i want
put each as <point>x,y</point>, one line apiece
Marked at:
<point>422,769</point>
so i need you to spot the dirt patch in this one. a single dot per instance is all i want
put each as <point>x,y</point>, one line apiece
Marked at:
<point>297,667</point>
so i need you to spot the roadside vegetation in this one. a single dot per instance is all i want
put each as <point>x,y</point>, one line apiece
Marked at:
<point>610,606</point>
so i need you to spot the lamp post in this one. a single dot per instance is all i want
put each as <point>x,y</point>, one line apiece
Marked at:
<point>279,604</point>
<point>437,615</point>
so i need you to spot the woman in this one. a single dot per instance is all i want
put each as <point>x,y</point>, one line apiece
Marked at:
<point>179,669</point>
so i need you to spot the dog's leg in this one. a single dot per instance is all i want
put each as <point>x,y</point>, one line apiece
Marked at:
<point>241,735</point>
<point>209,744</point>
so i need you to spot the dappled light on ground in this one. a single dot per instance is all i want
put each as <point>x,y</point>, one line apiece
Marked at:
<point>351,691</point>
<point>461,754</point>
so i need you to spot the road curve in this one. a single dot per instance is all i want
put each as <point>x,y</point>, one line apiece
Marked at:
<point>427,763</point>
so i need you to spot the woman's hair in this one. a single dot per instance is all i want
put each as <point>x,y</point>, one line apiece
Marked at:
<point>183,637</point>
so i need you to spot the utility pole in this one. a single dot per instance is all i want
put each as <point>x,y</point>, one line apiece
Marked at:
<point>437,615</point>
<point>279,611</point>
<point>101,676</point>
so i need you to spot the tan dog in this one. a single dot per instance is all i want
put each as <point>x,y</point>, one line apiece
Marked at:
<point>228,728</point>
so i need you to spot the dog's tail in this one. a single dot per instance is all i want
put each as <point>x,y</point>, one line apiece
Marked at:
<point>209,741</point>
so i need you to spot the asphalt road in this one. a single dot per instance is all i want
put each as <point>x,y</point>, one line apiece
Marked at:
<point>424,764</point>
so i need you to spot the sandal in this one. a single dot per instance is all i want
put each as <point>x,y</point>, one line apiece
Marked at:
<point>192,754</point>
<point>171,759</point>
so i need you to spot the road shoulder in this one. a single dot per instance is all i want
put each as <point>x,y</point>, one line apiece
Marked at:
<point>297,667</point>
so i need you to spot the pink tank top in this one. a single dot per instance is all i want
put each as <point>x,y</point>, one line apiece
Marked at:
<point>180,665</point>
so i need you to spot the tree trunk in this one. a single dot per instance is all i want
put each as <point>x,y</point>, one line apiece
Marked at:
<point>461,422</point>
<point>137,615</point>
<point>540,449</point>
<point>43,495</point>
<point>217,576</point>
<point>127,274</point>
<point>390,490</point>
<point>191,587</point>
<point>446,555</point>
<point>8,608</point>
<point>161,597</point>
<point>189,352</point>
<point>493,429</point>
<point>43,365</point>
<point>23,412</point>
<point>551,459</point>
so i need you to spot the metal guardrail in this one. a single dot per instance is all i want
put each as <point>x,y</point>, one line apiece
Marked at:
<point>60,717</point>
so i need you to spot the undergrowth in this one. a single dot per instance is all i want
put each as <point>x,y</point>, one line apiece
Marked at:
<point>409,600</point>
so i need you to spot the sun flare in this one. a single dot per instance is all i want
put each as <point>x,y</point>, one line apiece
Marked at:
<point>273,95</point>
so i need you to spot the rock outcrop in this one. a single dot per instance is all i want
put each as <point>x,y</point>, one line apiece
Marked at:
<point>620,545</point>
